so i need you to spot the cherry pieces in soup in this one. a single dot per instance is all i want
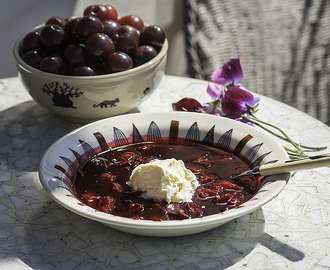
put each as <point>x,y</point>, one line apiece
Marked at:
<point>101,182</point>
<point>97,43</point>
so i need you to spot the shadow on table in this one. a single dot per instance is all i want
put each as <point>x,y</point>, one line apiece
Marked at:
<point>57,239</point>
<point>27,130</point>
<point>47,236</point>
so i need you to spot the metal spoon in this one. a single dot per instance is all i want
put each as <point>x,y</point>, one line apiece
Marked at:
<point>288,166</point>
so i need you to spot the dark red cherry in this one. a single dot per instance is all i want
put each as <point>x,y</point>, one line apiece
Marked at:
<point>53,64</point>
<point>110,27</point>
<point>57,21</point>
<point>126,39</point>
<point>70,30</point>
<point>99,45</point>
<point>119,61</point>
<point>83,71</point>
<point>87,26</point>
<point>132,20</point>
<point>113,14</point>
<point>143,54</point>
<point>53,37</point>
<point>31,41</point>
<point>98,11</point>
<point>152,35</point>
<point>74,54</point>
<point>32,58</point>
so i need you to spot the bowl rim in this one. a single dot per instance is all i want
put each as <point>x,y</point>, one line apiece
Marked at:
<point>146,66</point>
<point>168,224</point>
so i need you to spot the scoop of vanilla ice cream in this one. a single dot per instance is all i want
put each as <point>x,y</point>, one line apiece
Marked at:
<point>167,179</point>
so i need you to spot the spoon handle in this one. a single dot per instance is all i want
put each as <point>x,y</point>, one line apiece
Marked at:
<point>295,165</point>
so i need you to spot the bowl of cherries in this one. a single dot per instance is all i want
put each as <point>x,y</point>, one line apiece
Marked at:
<point>94,66</point>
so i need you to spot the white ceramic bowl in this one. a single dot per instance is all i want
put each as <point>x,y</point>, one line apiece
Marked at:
<point>90,98</point>
<point>61,160</point>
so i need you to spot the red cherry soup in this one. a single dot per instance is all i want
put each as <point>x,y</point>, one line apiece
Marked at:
<point>101,181</point>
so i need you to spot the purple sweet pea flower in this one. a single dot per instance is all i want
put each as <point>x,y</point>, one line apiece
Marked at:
<point>215,90</point>
<point>237,102</point>
<point>230,99</point>
<point>210,109</point>
<point>229,73</point>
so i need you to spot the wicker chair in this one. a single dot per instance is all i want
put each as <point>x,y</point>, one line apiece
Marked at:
<point>284,47</point>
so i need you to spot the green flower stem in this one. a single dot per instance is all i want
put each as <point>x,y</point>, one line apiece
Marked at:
<point>298,148</point>
<point>310,148</point>
<point>216,105</point>
<point>254,121</point>
<point>294,153</point>
<point>285,138</point>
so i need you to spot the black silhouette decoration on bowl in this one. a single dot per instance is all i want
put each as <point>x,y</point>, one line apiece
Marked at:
<point>62,94</point>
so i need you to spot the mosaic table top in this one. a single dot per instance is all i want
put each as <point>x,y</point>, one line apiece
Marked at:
<point>290,232</point>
